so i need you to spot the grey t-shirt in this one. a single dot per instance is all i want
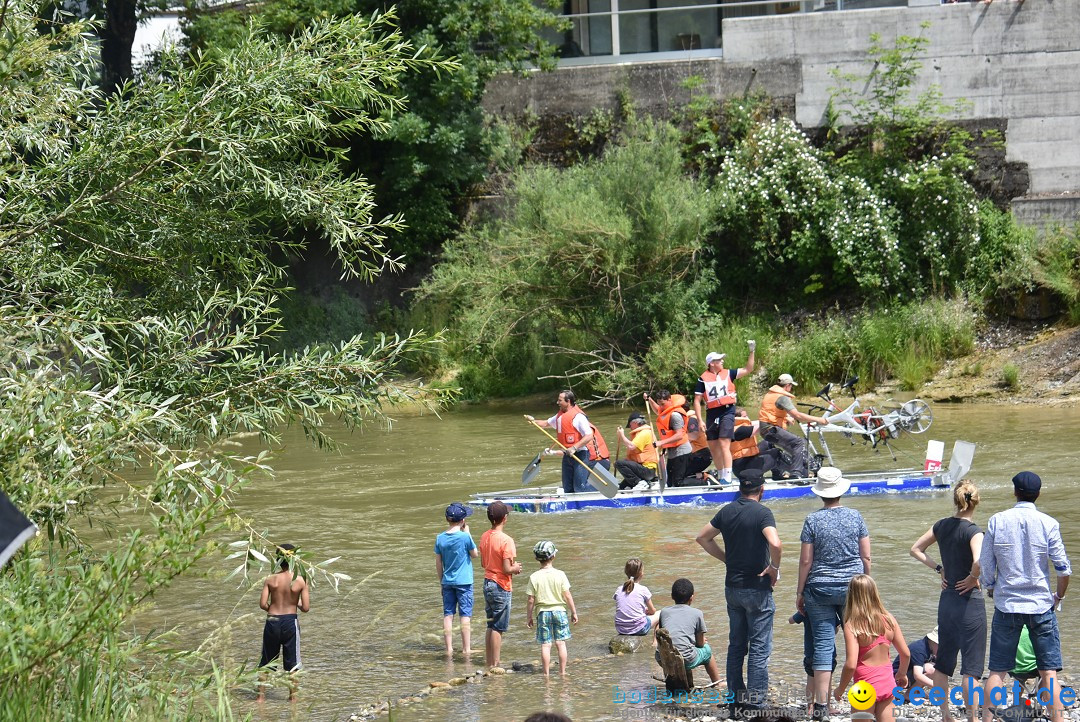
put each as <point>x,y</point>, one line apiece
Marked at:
<point>785,403</point>
<point>835,533</point>
<point>676,426</point>
<point>683,623</point>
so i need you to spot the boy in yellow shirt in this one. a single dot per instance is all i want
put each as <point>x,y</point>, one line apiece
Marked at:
<point>549,596</point>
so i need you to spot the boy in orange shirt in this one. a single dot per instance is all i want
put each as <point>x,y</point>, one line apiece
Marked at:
<point>498,555</point>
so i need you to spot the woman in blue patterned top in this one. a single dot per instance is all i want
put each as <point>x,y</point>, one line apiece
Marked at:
<point>835,548</point>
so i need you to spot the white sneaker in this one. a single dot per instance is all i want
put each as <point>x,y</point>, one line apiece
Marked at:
<point>642,485</point>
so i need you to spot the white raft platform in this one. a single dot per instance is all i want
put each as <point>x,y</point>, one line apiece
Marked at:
<point>552,499</point>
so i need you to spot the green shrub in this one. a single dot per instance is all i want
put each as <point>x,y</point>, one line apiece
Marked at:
<point>780,203</point>
<point>1002,263</point>
<point>312,320</point>
<point>1010,376</point>
<point>589,264</point>
<point>1057,267</point>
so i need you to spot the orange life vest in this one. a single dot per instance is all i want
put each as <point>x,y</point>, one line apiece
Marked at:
<point>569,436</point>
<point>770,413</point>
<point>719,389</point>
<point>663,422</point>
<point>646,456</point>
<point>746,447</point>
<point>698,440</point>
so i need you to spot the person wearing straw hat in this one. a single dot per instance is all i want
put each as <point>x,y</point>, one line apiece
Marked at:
<point>777,410</point>
<point>835,548</point>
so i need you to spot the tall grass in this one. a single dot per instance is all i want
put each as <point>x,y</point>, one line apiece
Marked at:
<point>1058,268</point>
<point>1010,376</point>
<point>904,342</point>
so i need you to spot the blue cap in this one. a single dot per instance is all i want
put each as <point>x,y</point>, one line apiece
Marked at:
<point>1027,481</point>
<point>458,511</point>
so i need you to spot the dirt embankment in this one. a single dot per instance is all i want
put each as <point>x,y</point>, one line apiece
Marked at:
<point>1014,363</point>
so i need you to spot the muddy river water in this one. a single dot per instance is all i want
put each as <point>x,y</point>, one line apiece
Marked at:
<point>378,502</point>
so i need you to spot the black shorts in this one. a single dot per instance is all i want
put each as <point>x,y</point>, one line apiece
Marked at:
<point>281,635</point>
<point>720,422</point>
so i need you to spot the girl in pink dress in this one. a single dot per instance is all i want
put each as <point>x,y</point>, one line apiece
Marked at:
<point>868,632</point>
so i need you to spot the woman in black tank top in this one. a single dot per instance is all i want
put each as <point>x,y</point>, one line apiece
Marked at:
<point>961,609</point>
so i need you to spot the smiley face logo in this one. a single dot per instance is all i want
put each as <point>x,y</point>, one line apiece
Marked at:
<point>861,695</point>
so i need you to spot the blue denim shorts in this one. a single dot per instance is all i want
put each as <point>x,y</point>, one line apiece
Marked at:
<point>457,597</point>
<point>824,610</point>
<point>644,630</point>
<point>552,626</point>
<point>1005,636</point>
<point>496,606</point>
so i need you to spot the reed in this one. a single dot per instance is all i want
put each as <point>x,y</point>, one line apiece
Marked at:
<point>906,342</point>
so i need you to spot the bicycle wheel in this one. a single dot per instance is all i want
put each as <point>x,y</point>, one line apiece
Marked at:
<point>917,416</point>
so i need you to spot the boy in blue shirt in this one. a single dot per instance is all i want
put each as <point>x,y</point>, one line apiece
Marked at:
<point>454,552</point>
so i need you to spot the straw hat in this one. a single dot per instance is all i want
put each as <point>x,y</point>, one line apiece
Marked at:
<point>830,483</point>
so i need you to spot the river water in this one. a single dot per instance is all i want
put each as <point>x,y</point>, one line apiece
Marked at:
<point>379,503</point>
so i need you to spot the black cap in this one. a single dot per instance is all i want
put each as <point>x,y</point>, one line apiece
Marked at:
<point>751,478</point>
<point>1027,481</point>
<point>636,416</point>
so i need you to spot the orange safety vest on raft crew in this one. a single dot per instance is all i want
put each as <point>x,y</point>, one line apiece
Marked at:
<point>663,421</point>
<point>770,413</point>
<point>569,436</point>
<point>698,440</point>
<point>719,389</point>
<point>746,447</point>
<point>645,456</point>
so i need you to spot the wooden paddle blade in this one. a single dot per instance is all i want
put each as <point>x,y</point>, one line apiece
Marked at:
<point>603,481</point>
<point>661,466</point>
<point>530,472</point>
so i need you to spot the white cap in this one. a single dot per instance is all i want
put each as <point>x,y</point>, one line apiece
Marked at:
<point>713,356</point>
<point>786,379</point>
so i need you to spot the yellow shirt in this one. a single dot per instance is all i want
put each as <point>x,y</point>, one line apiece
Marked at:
<point>546,587</point>
<point>642,439</point>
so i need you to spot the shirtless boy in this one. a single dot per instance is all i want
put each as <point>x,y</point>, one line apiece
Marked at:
<point>281,597</point>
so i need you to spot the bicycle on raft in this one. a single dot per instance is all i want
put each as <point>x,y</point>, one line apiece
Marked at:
<point>858,423</point>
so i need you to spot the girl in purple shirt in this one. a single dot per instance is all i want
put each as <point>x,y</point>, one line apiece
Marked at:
<point>635,614</point>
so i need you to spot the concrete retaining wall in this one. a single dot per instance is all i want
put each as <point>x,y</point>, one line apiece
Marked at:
<point>1015,62</point>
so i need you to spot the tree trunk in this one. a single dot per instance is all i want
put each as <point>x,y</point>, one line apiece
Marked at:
<point>117,37</point>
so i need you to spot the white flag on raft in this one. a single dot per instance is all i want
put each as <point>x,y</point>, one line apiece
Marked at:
<point>935,452</point>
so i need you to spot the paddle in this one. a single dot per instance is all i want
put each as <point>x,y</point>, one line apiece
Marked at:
<point>608,484</point>
<point>531,470</point>
<point>661,457</point>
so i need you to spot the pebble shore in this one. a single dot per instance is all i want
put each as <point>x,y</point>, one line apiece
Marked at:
<point>792,708</point>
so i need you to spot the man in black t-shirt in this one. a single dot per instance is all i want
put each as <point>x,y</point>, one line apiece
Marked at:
<point>752,555</point>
